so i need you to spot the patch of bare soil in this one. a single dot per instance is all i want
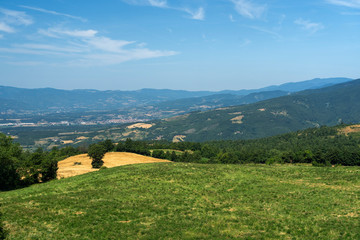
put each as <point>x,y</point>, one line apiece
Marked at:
<point>81,164</point>
<point>350,129</point>
<point>179,138</point>
<point>237,119</point>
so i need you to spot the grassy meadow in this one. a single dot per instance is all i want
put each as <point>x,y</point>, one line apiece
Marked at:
<point>190,201</point>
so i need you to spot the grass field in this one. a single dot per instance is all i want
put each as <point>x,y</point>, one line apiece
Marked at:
<point>190,201</point>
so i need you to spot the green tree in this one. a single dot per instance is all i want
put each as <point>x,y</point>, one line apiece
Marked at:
<point>173,156</point>
<point>108,144</point>
<point>49,167</point>
<point>96,152</point>
<point>10,155</point>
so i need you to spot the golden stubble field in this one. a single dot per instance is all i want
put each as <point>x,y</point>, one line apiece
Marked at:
<point>81,164</point>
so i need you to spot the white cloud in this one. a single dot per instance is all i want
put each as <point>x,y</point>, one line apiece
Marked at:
<point>54,13</point>
<point>16,17</point>
<point>248,9</point>
<point>345,3</point>
<point>10,18</point>
<point>29,51</point>
<point>1,36</point>
<point>49,48</point>
<point>196,15</point>
<point>108,45</point>
<point>56,32</point>
<point>6,28</point>
<point>158,3</point>
<point>84,47</point>
<point>307,25</point>
<point>125,56</point>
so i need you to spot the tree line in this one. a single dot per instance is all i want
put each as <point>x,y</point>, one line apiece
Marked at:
<point>19,168</point>
<point>322,146</point>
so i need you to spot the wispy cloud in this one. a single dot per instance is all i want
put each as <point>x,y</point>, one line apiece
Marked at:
<point>345,3</point>
<point>54,13</point>
<point>9,19</point>
<point>198,14</point>
<point>125,56</point>
<point>6,28</point>
<point>49,48</point>
<point>231,17</point>
<point>309,26</point>
<point>249,9</point>
<point>57,32</point>
<point>108,45</point>
<point>15,17</point>
<point>86,48</point>
<point>158,3</point>
<point>264,30</point>
<point>245,43</point>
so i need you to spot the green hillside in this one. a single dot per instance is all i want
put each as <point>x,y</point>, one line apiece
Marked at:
<point>187,201</point>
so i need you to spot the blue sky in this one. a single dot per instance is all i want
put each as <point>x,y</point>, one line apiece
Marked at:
<point>183,44</point>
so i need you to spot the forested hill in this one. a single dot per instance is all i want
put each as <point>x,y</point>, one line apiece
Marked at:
<point>310,108</point>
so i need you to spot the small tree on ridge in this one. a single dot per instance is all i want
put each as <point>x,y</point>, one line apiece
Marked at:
<point>96,152</point>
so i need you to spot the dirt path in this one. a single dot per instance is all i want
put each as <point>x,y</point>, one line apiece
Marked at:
<point>67,167</point>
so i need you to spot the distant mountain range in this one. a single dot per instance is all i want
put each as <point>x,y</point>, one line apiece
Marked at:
<point>309,108</point>
<point>281,112</point>
<point>47,100</point>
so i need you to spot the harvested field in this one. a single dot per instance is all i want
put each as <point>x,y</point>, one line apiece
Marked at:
<point>140,125</point>
<point>81,164</point>
<point>350,129</point>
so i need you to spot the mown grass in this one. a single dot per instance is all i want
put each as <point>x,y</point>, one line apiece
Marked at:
<point>190,201</point>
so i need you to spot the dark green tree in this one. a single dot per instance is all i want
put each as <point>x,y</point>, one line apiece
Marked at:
<point>10,155</point>
<point>49,167</point>
<point>96,152</point>
<point>108,144</point>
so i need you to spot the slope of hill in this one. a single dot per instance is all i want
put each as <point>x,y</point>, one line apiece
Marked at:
<point>215,101</point>
<point>327,106</point>
<point>187,201</point>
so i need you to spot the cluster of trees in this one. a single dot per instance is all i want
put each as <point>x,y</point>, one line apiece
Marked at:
<point>19,168</point>
<point>320,146</point>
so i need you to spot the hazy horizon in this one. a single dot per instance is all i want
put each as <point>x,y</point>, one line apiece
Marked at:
<point>182,45</point>
<point>201,90</point>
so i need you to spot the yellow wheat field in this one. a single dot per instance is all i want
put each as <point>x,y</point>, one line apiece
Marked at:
<point>80,164</point>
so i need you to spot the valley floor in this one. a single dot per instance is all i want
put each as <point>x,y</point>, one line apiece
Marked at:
<point>190,201</point>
